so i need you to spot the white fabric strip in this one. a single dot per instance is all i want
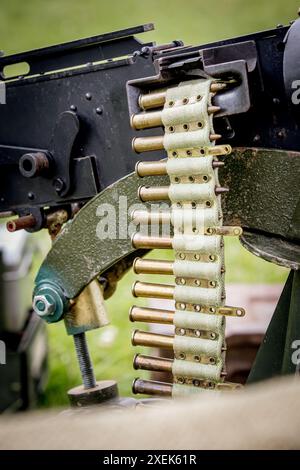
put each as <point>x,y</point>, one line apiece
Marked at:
<point>188,126</point>
<point>190,166</point>
<point>199,321</point>
<point>202,244</point>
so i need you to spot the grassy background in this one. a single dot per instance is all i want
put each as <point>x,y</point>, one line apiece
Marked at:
<point>36,23</point>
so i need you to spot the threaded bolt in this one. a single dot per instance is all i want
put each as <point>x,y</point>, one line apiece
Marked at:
<point>84,360</point>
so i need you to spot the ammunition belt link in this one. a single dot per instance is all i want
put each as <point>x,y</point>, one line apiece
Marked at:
<point>196,216</point>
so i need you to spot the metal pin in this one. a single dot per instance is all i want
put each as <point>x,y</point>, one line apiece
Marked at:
<point>159,364</point>
<point>231,311</point>
<point>157,99</point>
<point>154,119</point>
<point>148,144</point>
<point>148,289</point>
<point>160,168</point>
<point>151,315</point>
<point>143,338</point>
<point>161,193</point>
<point>229,386</point>
<point>217,164</point>
<point>149,266</point>
<point>232,231</point>
<point>151,387</point>
<point>28,221</point>
<point>221,190</point>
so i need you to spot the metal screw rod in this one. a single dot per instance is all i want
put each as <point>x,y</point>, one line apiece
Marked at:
<point>84,360</point>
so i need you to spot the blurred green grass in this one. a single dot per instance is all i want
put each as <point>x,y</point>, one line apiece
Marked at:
<point>36,23</point>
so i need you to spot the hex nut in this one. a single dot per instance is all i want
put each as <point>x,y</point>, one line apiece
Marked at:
<point>49,305</point>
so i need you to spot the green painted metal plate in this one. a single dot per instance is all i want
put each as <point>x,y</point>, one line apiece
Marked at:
<point>264,198</point>
<point>78,254</point>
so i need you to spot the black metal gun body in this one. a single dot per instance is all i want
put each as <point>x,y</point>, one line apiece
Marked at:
<point>64,130</point>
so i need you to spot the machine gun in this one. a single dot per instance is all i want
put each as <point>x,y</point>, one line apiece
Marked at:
<point>68,150</point>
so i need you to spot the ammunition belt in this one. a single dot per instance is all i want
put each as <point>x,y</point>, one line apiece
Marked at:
<point>195,213</point>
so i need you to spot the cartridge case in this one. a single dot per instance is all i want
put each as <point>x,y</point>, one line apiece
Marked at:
<point>148,144</point>
<point>147,289</point>
<point>146,120</point>
<point>151,387</point>
<point>159,364</point>
<point>143,241</point>
<point>148,193</point>
<point>151,168</point>
<point>151,315</point>
<point>154,99</point>
<point>160,168</point>
<point>27,221</point>
<point>154,119</point>
<point>157,99</point>
<point>153,217</point>
<point>161,193</point>
<point>149,266</point>
<point>152,340</point>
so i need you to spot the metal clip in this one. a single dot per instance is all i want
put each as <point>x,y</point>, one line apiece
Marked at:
<point>229,231</point>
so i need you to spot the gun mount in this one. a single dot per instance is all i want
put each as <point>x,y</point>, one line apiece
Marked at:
<point>66,147</point>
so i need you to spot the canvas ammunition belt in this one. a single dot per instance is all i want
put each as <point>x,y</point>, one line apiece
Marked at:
<point>195,214</point>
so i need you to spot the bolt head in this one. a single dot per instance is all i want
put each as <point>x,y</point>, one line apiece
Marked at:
<point>58,184</point>
<point>43,305</point>
<point>54,302</point>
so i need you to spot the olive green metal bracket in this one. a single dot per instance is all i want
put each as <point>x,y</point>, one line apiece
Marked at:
<point>78,254</point>
<point>264,199</point>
